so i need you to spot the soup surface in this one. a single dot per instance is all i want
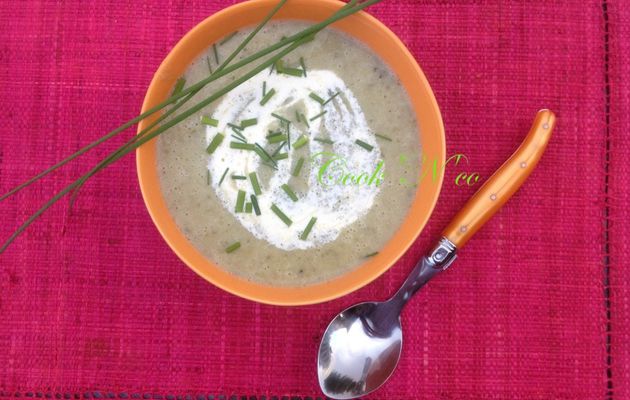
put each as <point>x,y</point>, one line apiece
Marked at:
<point>302,172</point>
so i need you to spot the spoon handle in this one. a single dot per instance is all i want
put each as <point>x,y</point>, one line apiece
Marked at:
<point>503,183</point>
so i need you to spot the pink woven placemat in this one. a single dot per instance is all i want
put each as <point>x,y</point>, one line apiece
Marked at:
<point>94,304</point>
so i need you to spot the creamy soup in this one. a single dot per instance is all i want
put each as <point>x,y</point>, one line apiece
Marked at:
<point>302,172</point>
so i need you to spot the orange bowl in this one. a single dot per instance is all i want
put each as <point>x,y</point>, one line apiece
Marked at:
<point>382,41</point>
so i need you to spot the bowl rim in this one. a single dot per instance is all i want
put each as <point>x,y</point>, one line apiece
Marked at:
<point>393,52</point>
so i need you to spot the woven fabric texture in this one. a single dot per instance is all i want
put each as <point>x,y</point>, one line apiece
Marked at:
<point>92,301</point>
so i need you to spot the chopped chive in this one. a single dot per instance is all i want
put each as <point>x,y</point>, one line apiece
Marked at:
<point>239,138</point>
<point>302,140</point>
<point>321,114</point>
<point>238,134</point>
<point>267,97</point>
<point>281,156</point>
<point>315,97</point>
<point>254,200</point>
<point>273,67</point>
<point>366,146</point>
<point>289,136</point>
<point>264,88</point>
<point>305,120</point>
<point>308,228</point>
<point>287,189</point>
<point>234,126</point>
<point>255,185</point>
<point>233,247</point>
<point>239,177</point>
<point>371,254</point>
<point>281,118</point>
<point>298,167</point>
<point>241,146</point>
<point>209,64</point>
<point>223,176</point>
<point>277,138</point>
<point>303,65</point>
<point>179,86</point>
<point>280,66</point>
<point>249,122</point>
<point>216,53</point>
<point>227,38</point>
<point>331,98</point>
<point>263,154</point>
<point>293,72</point>
<point>281,215</point>
<point>240,201</point>
<point>248,208</point>
<point>208,177</point>
<point>383,137</point>
<point>276,151</point>
<point>324,140</point>
<point>209,121</point>
<point>216,141</point>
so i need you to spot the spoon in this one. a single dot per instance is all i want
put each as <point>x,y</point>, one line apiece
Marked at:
<point>362,345</point>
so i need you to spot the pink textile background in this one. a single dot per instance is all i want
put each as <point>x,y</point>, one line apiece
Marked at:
<point>93,303</point>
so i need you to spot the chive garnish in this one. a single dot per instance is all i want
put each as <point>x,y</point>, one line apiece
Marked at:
<point>209,64</point>
<point>234,126</point>
<point>216,141</point>
<point>302,140</point>
<point>280,66</point>
<point>305,120</point>
<point>239,135</point>
<point>321,114</point>
<point>233,247</point>
<point>281,215</point>
<point>209,121</point>
<point>239,177</point>
<point>298,167</point>
<point>264,88</point>
<point>287,189</point>
<point>371,254</point>
<point>223,176</point>
<point>315,97</point>
<point>303,65</point>
<point>366,146</point>
<point>293,71</point>
<point>227,38</point>
<point>263,154</point>
<point>248,208</point>
<point>240,201</point>
<point>208,176</point>
<point>276,151</point>
<point>383,137</point>
<point>308,228</point>
<point>281,156</point>
<point>277,138</point>
<point>324,140</point>
<point>216,53</point>
<point>281,118</point>
<point>249,122</point>
<point>255,185</point>
<point>241,146</point>
<point>239,138</point>
<point>289,136</point>
<point>254,200</point>
<point>267,97</point>
<point>331,98</point>
<point>179,86</point>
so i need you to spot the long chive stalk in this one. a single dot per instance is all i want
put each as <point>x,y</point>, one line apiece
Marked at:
<point>294,41</point>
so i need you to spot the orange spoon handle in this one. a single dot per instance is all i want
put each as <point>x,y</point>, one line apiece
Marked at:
<point>503,183</point>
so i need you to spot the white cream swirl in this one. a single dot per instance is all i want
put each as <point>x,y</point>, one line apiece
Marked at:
<point>336,206</point>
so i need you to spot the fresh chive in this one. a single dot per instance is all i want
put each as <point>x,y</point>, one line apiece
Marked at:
<point>293,71</point>
<point>324,140</point>
<point>371,254</point>
<point>263,154</point>
<point>216,142</point>
<point>281,156</point>
<point>179,86</point>
<point>248,208</point>
<point>277,138</point>
<point>366,146</point>
<point>233,247</point>
<point>287,189</point>
<point>305,120</point>
<point>227,38</point>
<point>241,146</point>
<point>240,201</point>
<point>280,66</point>
<point>234,126</point>
<point>281,118</point>
<point>277,150</point>
<point>289,136</point>
<point>267,97</point>
<point>273,67</point>
<point>281,215</point>
<point>209,121</point>
<point>216,53</point>
<point>302,140</point>
<point>239,177</point>
<point>315,97</point>
<point>249,122</point>
<point>298,167</point>
<point>308,228</point>
<point>331,98</point>
<point>264,88</point>
<point>209,64</point>
<point>321,114</point>
<point>383,137</point>
<point>239,138</point>
<point>255,184</point>
<point>208,177</point>
<point>254,200</point>
<point>303,65</point>
<point>223,176</point>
